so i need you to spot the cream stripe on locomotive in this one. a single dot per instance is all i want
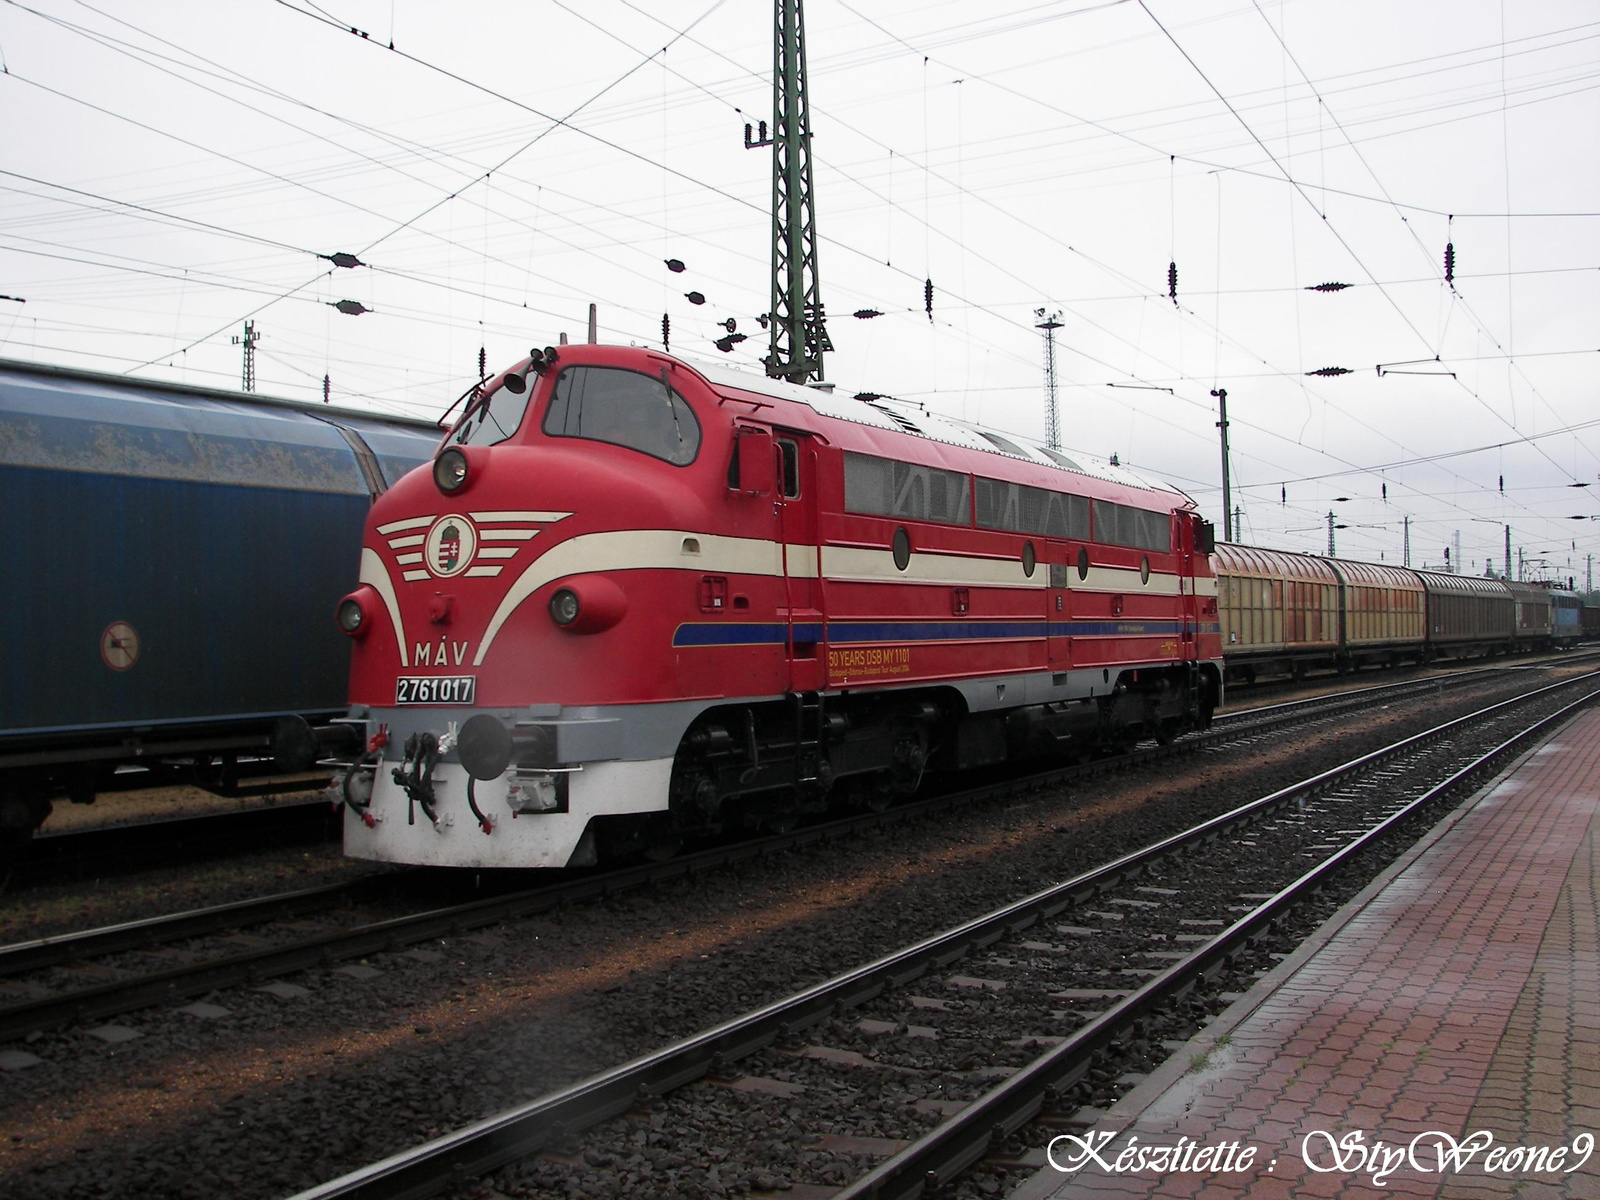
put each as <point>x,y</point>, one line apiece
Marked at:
<point>673,549</point>
<point>544,518</point>
<point>861,565</point>
<point>1124,580</point>
<point>375,571</point>
<point>643,549</point>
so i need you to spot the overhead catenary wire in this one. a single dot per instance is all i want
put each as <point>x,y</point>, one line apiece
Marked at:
<point>981,180</point>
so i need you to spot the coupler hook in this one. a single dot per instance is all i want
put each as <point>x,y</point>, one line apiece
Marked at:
<point>415,775</point>
<point>374,755</point>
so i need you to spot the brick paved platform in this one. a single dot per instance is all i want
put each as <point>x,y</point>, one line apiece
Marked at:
<point>1459,993</point>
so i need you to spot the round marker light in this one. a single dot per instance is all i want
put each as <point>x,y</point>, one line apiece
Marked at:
<point>450,470</point>
<point>564,607</point>
<point>349,615</point>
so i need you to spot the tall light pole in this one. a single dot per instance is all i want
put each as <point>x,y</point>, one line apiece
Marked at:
<point>1227,492</point>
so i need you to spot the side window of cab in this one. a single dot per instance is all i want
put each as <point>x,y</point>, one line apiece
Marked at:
<point>624,408</point>
<point>491,421</point>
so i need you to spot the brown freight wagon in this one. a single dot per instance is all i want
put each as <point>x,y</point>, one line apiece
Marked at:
<point>1279,610</point>
<point>1535,615</point>
<point>1381,610</point>
<point>1468,615</point>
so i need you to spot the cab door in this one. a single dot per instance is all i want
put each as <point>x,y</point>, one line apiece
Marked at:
<point>1189,646</point>
<point>801,605</point>
<point>1057,615</point>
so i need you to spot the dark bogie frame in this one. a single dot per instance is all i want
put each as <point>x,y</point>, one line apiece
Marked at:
<point>768,765</point>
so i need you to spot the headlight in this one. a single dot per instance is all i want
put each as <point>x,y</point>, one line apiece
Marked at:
<point>350,615</point>
<point>450,470</point>
<point>588,604</point>
<point>564,607</point>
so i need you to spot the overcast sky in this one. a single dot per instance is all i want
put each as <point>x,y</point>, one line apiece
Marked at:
<point>170,170</point>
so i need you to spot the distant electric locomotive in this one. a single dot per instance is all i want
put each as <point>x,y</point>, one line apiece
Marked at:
<point>636,599</point>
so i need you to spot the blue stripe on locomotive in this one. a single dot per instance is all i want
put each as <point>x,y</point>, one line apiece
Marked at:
<point>713,633</point>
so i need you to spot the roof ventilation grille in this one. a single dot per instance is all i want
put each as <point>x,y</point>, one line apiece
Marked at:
<point>899,419</point>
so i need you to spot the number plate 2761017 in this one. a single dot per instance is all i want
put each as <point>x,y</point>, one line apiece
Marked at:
<point>435,689</point>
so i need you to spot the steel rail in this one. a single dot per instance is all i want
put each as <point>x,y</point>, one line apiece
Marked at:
<point>71,948</point>
<point>954,1145</point>
<point>479,1148</point>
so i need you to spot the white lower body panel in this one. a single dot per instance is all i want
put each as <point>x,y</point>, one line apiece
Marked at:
<point>402,832</point>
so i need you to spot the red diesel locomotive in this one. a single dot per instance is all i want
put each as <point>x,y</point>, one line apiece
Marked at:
<point>635,599</point>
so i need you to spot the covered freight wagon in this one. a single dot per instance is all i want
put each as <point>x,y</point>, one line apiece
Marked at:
<point>1279,610</point>
<point>1535,616</point>
<point>178,553</point>
<point>1381,610</point>
<point>1468,614</point>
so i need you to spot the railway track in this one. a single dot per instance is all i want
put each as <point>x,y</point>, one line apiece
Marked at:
<point>938,1052</point>
<point>140,846</point>
<point>44,969</point>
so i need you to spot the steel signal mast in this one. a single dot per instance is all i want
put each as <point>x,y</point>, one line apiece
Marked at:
<point>799,335</point>
<point>1052,414</point>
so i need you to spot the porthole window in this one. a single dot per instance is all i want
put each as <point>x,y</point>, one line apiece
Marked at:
<point>1083,562</point>
<point>1029,561</point>
<point>1144,569</point>
<point>901,548</point>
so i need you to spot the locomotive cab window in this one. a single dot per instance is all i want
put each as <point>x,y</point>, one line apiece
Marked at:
<point>491,421</point>
<point>789,465</point>
<point>624,408</point>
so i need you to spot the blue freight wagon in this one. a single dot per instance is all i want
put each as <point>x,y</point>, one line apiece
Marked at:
<point>175,556</point>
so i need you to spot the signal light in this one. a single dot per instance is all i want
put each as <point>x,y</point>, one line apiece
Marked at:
<point>450,471</point>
